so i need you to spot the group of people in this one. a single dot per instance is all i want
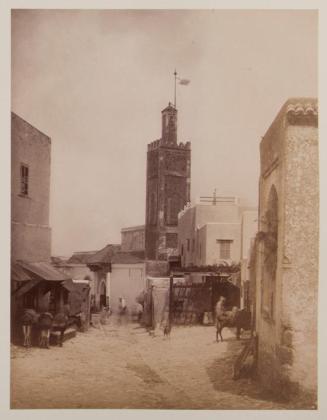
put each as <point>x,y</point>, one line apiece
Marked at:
<point>123,309</point>
<point>220,310</point>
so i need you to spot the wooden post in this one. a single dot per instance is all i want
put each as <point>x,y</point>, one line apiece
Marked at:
<point>171,297</point>
<point>152,323</point>
<point>212,298</point>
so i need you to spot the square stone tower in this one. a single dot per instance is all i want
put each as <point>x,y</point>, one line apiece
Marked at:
<point>167,188</point>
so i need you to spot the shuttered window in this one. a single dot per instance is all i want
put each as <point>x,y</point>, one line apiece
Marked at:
<point>225,248</point>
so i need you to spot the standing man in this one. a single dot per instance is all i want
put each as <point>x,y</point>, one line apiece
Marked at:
<point>221,309</point>
<point>122,309</point>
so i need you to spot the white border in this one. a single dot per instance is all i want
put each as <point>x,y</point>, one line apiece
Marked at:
<point>5,203</point>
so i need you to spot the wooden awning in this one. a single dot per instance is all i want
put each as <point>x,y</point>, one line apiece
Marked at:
<point>43,271</point>
<point>29,274</point>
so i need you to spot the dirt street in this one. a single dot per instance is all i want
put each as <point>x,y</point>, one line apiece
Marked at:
<point>124,367</point>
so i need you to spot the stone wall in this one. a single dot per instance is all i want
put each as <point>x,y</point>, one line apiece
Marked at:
<point>133,239</point>
<point>156,268</point>
<point>286,298</point>
<point>127,280</point>
<point>30,242</point>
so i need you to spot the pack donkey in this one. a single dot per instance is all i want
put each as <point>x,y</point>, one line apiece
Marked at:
<point>28,319</point>
<point>236,318</point>
<point>45,325</point>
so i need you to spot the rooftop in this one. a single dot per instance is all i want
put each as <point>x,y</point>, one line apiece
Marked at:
<point>132,228</point>
<point>80,257</point>
<point>214,200</point>
<point>170,107</point>
<point>126,258</point>
<point>104,256</point>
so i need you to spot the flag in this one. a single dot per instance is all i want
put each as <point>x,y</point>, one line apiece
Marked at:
<point>184,82</point>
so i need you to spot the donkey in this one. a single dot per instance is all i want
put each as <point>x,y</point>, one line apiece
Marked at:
<point>237,318</point>
<point>62,321</point>
<point>45,324</point>
<point>28,318</point>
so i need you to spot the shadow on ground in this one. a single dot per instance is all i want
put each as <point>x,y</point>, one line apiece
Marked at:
<point>220,373</point>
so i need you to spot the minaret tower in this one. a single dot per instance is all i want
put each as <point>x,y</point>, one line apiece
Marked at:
<point>167,188</point>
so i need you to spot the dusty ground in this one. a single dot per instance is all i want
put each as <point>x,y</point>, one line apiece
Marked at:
<point>123,367</point>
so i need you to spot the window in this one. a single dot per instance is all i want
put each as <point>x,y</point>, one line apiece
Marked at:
<point>24,179</point>
<point>193,245</point>
<point>225,246</point>
<point>188,244</point>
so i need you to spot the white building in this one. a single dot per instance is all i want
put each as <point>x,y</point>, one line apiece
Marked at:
<point>215,230</point>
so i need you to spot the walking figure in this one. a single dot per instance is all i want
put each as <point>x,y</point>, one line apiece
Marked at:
<point>122,309</point>
<point>221,309</point>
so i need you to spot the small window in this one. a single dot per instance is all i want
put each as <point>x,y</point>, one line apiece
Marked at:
<point>225,248</point>
<point>188,244</point>
<point>24,179</point>
<point>193,245</point>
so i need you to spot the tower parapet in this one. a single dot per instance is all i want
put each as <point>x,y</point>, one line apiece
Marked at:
<point>161,143</point>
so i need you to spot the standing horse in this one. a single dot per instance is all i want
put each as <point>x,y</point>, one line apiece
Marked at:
<point>45,324</point>
<point>239,319</point>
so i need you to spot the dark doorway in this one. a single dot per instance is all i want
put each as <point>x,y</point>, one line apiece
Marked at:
<point>103,300</point>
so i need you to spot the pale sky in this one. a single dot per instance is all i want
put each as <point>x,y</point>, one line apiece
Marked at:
<point>96,82</point>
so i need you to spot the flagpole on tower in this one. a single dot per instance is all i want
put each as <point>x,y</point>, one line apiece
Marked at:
<point>175,74</point>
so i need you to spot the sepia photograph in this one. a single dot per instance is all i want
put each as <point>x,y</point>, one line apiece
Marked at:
<point>164,184</point>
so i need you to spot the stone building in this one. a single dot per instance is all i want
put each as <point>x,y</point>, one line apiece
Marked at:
<point>34,281</point>
<point>114,274</point>
<point>214,230</point>
<point>127,279</point>
<point>167,188</point>
<point>100,266</point>
<point>76,266</point>
<point>133,239</point>
<point>30,192</point>
<point>286,262</point>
